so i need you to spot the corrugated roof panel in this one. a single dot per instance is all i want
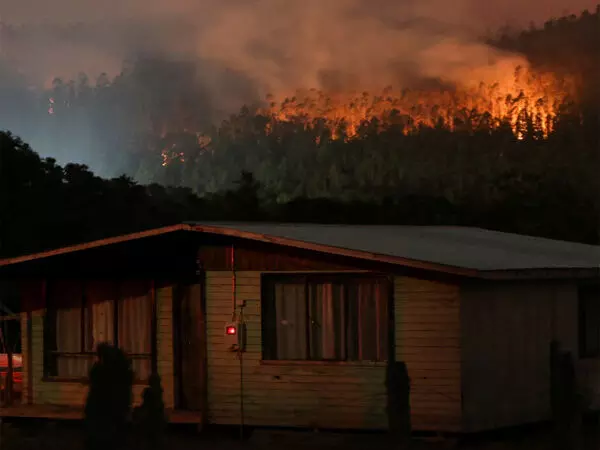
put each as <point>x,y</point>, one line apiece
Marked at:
<point>469,248</point>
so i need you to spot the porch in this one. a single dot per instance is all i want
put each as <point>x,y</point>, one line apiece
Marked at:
<point>55,412</point>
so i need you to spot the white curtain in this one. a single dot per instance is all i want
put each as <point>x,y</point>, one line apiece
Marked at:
<point>327,318</point>
<point>99,314</point>
<point>290,317</point>
<point>68,341</point>
<point>135,326</point>
<point>79,330</point>
<point>74,351</point>
<point>343,320</point>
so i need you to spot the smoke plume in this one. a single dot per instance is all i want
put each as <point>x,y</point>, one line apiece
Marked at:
<point>242,50</point>
<point>280,45</point>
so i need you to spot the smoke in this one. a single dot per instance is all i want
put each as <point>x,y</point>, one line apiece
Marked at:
<point>280,45</point>
<point>244,49</point>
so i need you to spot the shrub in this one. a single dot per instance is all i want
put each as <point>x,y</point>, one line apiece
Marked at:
<point>150,416</point>
<point>108,402</point>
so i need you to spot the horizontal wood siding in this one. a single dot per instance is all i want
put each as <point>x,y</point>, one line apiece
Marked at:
<point>506,335</point>
<point>427,315</point>
<point>74,393</point>
<point>294,394</point>
<point>164,343</point>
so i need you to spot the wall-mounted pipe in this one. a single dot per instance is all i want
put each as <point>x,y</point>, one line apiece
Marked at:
<point>233,283</point>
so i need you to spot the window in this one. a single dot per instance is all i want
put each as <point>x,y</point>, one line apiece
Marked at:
<point>589,322</point>
<point>340,318</point>
<point>80,315</point>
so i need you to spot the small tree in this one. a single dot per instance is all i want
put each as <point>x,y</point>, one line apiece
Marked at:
<point>150,416</point>
<point>108,402</point>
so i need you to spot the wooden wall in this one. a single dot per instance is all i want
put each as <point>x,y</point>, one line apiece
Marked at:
<point>428,341</point>
<point>506,334</point>
<point>47,392</point>
<point>283,394</point>
<point>335,395</point>
<point>302,394</point>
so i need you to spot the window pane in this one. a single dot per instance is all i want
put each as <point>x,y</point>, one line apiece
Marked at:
<point>341,318</point>
<point>326,321</point>
<point>99,314</point>
<point>290,320</point>
<point>382,296</point>
<point>590,304</point>
<point>367,321</point>
<point>65,300</point>
<point>135,325</point>
<point>68,340</point>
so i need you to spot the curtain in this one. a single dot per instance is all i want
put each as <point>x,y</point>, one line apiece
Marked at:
<point>590,324</point>
<point>327,319</point>
<point>366,325</point>
<point>99,314</point>
<point>135,326</point>
<point>66,299</point>
<point>84,317</point>
<point>382,296</point>
<point>68,340</point>
<point>290,320</point>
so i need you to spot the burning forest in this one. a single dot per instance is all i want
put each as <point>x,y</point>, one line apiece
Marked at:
<point>528,100</point>
<point>370,119</point>
<point>361,111</point>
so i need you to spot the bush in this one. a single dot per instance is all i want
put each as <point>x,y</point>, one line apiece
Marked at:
<point>150,416</point>
<point>108,404</point>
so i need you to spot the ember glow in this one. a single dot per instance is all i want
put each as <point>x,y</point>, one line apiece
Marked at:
<point>522,96</point>
<point>171,154</point>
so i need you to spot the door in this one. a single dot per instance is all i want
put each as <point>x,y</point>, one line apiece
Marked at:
<point>190,357</point>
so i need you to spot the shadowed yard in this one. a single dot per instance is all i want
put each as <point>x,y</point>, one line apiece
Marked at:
<point>34,435</point>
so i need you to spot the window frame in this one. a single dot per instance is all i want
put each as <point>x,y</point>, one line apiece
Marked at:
<point>49,332</point>
<point>588,293</point>
<point>267,328</point>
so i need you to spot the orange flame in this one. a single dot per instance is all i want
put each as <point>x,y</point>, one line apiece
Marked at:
<point>522,94</point>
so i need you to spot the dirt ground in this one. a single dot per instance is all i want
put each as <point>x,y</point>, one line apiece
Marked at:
<point>69,436</point>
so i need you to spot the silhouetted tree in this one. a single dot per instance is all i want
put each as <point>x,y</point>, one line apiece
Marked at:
<point>108,403</point>
<point>150,417</point>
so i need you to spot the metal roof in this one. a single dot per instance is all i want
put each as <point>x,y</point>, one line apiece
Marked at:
<point>460,247</point>
<point>458,250</point>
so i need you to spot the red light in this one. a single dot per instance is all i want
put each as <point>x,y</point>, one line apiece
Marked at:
<point>230,331</point>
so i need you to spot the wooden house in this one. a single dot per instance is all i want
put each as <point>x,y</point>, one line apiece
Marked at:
<point>323,309</point>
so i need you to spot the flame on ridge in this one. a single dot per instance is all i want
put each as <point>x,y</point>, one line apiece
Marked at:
<point>519,96</point>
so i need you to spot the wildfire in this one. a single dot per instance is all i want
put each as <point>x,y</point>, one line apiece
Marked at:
<point>171,154</point>
<point>526,101</point>
<point>522,99</point>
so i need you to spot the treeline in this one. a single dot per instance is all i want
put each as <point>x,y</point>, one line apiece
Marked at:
<point>126,124</point>
<point>44,205</point>
<point>147,123</point>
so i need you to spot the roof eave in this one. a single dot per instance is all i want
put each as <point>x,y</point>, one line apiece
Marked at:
<point>520,274</point>
<point>94,244</point>
<point>358,254</point>
<point>581,273</point>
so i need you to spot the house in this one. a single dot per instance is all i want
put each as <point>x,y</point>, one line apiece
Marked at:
<point>322,309</point>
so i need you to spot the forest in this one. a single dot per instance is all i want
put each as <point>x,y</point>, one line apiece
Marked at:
<point>406,157</point>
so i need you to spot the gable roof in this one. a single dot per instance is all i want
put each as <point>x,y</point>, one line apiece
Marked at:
<point>458,250</point>
<point>467,248</point>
